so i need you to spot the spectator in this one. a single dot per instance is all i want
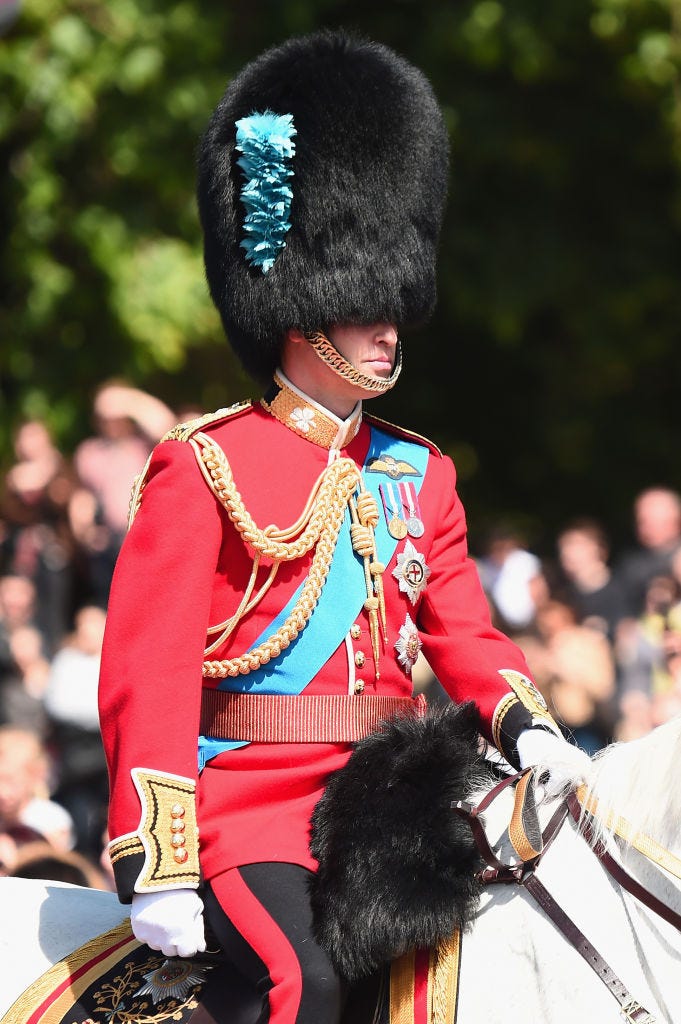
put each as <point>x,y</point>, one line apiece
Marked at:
<point>17,602</point>
<point>657,516</point>
<point>128,423</point>
<point>575,671</point>
<point>583,552</point>
<point>649,656</point>
<point>40,860</point>
<point>513,580</point>
<point>26,812</point>
<point>71,704</point>
<point>38,543</point>
<point>17,609</point>
<point>22,685</point>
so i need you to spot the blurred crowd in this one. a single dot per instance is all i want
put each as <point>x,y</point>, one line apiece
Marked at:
<point>62,521</point>
<point>601,630</point>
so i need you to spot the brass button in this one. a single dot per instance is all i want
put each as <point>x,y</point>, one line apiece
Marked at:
<point>177,811</point>
<point>355,631</point>
<point>359,686</point>
<point>181,855</point>
<point>360,658</point>
<point>177,825</point>
<point>178,840</point>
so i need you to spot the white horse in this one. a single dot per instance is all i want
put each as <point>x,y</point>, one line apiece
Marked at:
<point>515,965</point>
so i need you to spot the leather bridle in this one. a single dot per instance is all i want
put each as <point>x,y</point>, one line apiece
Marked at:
<point>531,846</point>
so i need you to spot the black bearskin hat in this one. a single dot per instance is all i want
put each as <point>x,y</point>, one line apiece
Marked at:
<point>367,182</point>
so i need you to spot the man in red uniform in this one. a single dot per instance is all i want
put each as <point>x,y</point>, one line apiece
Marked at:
<point>288,559</point>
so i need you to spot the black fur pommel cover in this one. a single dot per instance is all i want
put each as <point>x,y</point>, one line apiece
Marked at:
<point>369,183</point>
<point>396,865</point>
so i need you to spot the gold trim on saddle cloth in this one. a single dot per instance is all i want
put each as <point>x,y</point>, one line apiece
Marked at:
<point>444,964</point>
<point>63,983</point>
<point>300,718</point>
<point>112,977</point>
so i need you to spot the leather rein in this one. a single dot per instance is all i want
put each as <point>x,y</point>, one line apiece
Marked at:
<point>531,845</point>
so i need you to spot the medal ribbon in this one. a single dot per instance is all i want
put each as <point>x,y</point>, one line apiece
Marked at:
<point>410,500</point>
<point>393,513</point>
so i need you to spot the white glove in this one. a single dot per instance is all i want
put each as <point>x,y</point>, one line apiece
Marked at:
<point>171,921</point>
<point>567,765</point>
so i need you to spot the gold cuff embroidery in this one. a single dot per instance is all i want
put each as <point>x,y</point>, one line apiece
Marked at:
<point>168,831</point>
<point>126,846</point>
<point>526,693</point>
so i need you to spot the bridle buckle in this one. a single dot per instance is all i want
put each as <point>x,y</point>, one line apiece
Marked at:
<point>634,1013</point>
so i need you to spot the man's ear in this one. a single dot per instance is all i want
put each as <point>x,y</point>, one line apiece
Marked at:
<point>295,335</point>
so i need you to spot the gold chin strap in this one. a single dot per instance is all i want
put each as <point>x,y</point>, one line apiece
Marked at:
<point>340,366</point>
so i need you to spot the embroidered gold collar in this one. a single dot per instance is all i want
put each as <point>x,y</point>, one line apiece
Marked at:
<point>304,416</point>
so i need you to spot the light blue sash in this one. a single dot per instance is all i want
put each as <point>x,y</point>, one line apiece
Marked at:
<point>340,601</point>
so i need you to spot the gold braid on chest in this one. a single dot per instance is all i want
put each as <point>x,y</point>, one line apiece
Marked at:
<point>317,527</point>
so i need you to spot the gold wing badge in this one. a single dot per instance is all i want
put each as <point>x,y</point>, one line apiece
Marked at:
<point>391,467</point>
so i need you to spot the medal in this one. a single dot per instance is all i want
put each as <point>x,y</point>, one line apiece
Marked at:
<point>415,527</point>
<point>411,572</point>
<point>397,528</point>
<point>408,645</point>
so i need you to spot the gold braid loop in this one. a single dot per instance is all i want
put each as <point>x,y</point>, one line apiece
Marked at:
<point>297,620</point>
<point>362,540</point>
<point>367,509</point>
<point>335,483</point>
<point>364,514</point>
<point>319,524</point>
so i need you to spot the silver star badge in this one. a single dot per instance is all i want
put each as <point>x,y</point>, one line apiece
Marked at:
<point>411,572</point>
<point>174,979</point>
<point>408,645</point>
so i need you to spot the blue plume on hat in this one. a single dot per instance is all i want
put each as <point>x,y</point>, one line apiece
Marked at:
<point>265,142</point>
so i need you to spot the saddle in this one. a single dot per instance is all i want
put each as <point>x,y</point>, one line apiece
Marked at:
<point>116,979</point>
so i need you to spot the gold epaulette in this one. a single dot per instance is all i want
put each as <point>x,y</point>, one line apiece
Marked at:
<point>181,432</point>
<point>408,435</point>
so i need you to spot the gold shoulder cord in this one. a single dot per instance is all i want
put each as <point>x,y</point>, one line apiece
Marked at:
<point>138,486</point>
<point>318,527</point>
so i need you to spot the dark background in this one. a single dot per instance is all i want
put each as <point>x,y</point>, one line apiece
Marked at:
<point>551,371</point>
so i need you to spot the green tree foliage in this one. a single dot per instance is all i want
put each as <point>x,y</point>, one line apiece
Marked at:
<point>552,367</point>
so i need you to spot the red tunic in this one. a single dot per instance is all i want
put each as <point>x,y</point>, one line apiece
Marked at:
<point>183,567</point>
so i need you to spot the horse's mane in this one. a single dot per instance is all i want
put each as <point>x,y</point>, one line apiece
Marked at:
<point>637,781</point>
